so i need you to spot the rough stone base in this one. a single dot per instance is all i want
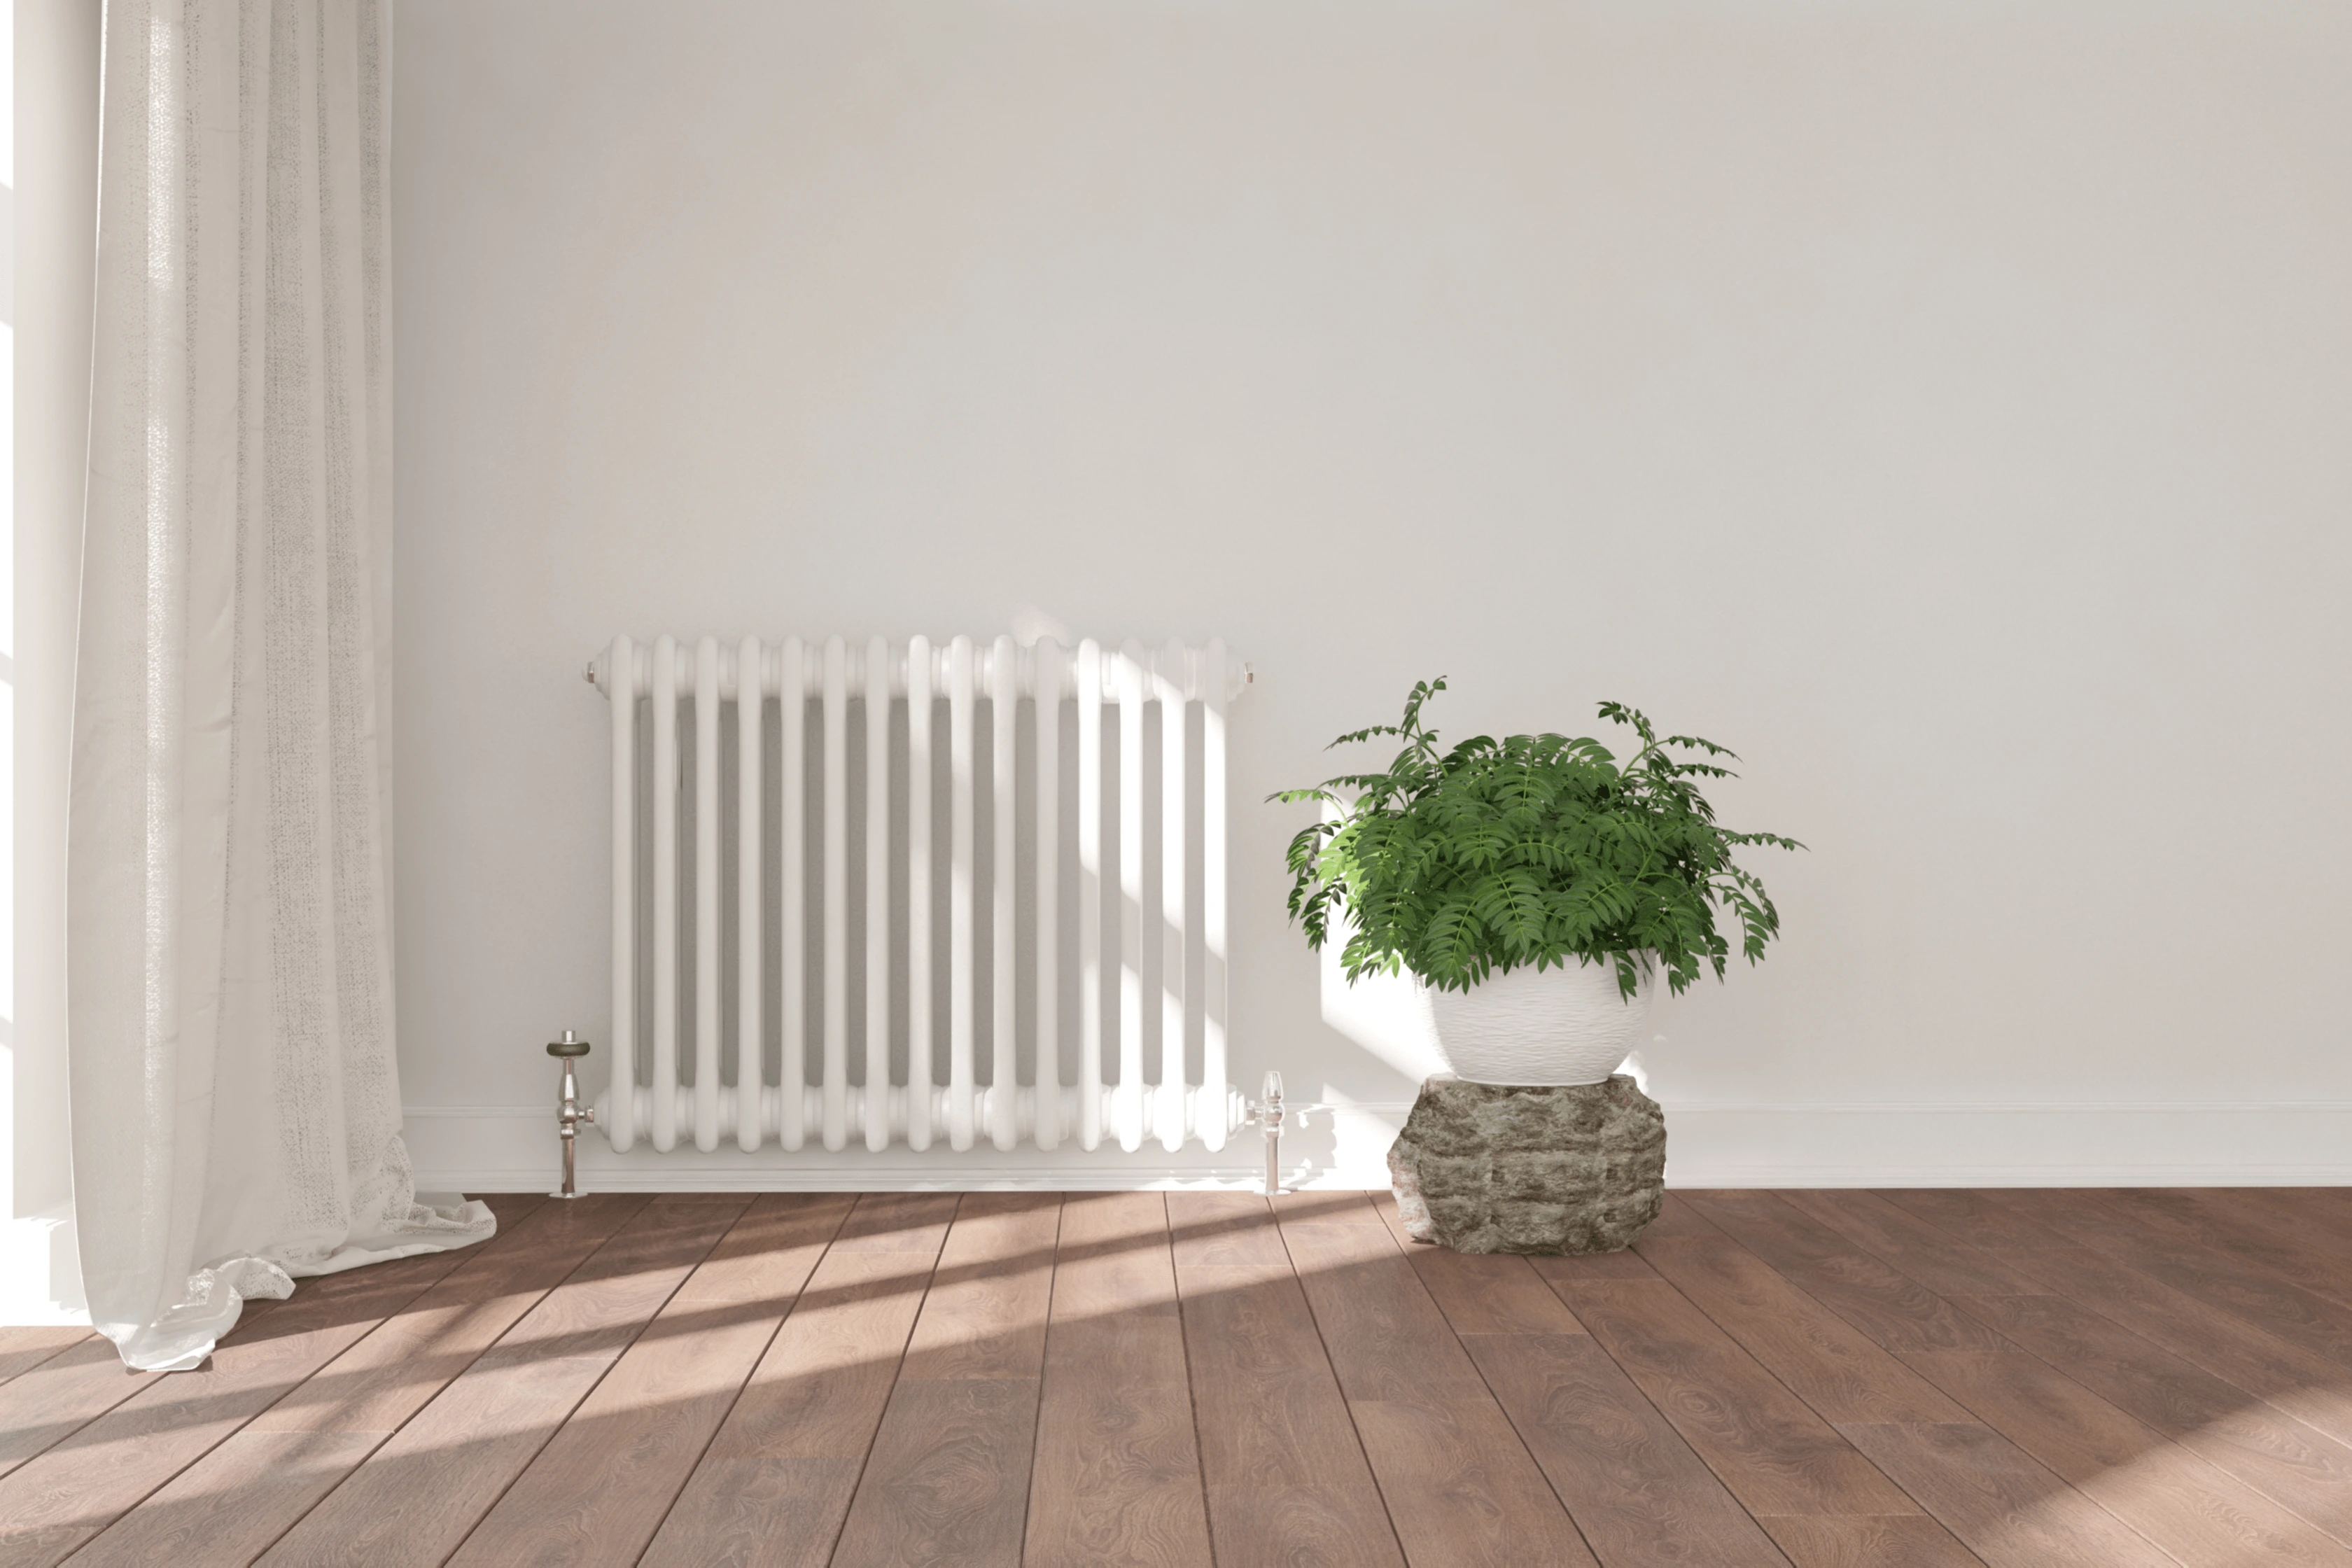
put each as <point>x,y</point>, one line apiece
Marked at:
<point>1484,1167</point>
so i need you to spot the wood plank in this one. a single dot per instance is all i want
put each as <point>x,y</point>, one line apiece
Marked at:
<point>600,1489</point>
<point>1873,1295</point>
<point>1825,1361</point>
<point>1910,1244</point>
<point>2009,1511</point>
<point>984,1315</point>
<point>52,1503</point>
<point>776,1481</point>
<point>2295,1466</point>
<point>1679,1214</point>
<point>251,1488</point>
<point>2242,1227</point>
<point>1635,1488</point>
<point>27,1346</point>
<point>415,1500</point>
<point>393,1373</point>
<point>51,1401</point>
<point>82,1375</point>
<point>1117,1477</point>
<point>2296,1379</point>
<point>2285,1310</point>
<point>1491,1293</point>
<point>1884,1541</point>
<point>1772,1451</point>
<point>1970,1216</point>
<point>1459,1484</point>
<point>2174,1499</point>
<point>948,1480</point>
<point>1285,1475</point>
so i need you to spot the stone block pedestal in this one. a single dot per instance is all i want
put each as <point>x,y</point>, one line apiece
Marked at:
<point>1484,1167</point>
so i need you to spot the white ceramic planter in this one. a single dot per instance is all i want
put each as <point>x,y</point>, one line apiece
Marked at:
<point>1550,1026</point>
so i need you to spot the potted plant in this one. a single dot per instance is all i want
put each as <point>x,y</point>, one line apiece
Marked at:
<point>1536,886</point>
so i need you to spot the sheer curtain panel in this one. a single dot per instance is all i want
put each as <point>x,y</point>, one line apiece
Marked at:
<point>235,1099</point>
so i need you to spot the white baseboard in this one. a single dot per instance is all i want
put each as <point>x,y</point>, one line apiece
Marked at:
<point>1710,1144</point>
<point>489,1149</point>
<point>1754,1144</point>
<point>40,1271</point>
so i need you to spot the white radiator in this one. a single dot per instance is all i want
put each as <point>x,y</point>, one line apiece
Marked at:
<point>718,1026</point>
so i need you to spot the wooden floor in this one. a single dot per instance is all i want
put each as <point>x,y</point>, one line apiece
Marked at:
<point>1907,1378</point>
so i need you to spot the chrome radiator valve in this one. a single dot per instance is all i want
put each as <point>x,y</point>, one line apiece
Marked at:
<point>1267,1113</point>
<point>569,1113</point>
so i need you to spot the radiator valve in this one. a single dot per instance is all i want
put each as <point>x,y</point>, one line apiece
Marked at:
<point>568,1112</point>
<point>1267,1113</point>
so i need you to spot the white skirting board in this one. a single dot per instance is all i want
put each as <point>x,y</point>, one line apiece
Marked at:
<point>40,1271</point>
<point>1710,1144</point>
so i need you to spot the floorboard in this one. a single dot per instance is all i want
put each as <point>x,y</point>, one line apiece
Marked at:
<point>1839,1371</point>
<point>1897,1379</point>
<point>1637,1491</point>
<point>2313,1387</point>
<point>2009,1511</point>
<point>1117,1477</point>
<point>416,1498</point>
<point>52,1503</point>
<point>26,1347</point>
<point>257,1484</point>
<point>2292,1464</point>
<point>1872,1294</point>
<point>1774,1453</point>
<point>1285,1472</point>
<point>600,1489</point>
<point>778,1477</point>
<point>1459,1484</point>
<point>948,1480</point>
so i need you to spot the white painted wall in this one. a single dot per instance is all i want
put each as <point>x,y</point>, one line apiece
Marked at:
<point>1949,406</point>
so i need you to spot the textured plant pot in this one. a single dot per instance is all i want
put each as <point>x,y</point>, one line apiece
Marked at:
<point>1546,1027</point>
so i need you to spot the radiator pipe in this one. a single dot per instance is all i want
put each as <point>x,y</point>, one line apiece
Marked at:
<point>568,1112</point>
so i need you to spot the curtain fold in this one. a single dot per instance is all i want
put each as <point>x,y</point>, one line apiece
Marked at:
<point>235,1101</point>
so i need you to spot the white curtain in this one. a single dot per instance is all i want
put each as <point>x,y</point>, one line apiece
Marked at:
<point>235,1107</point>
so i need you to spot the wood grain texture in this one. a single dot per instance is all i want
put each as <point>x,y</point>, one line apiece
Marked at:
<point>1117,1477</point>
<point>2306,1383</point>
<point>1635,1488</point>
<point>1882,1541</point>
<point>1460,1487</point>
<point>1771,1450</point>
<point>1491,1293</point>
<point>2134,1472</point>
<point>600,1489</point>
<point>2280,1307</point>
<point>1285,1475</point>
<point>2241,1228</point>
<point>1873,1295</point>
<point>56,1500</point>
<point>1912,1379</point>
<point>27,1346</point>
<point>57,1397</point>
<point>1908,1243</point>
<point>1825,1361</point>
<point>2292,1464</point>
<point>2009,1511</point>
<point>279,1464</point>
<point>778,1477</point>
<point>417,1497</point>
<point>948,1480</point>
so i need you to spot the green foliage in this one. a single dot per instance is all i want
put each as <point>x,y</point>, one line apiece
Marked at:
<point>1529,851</point>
